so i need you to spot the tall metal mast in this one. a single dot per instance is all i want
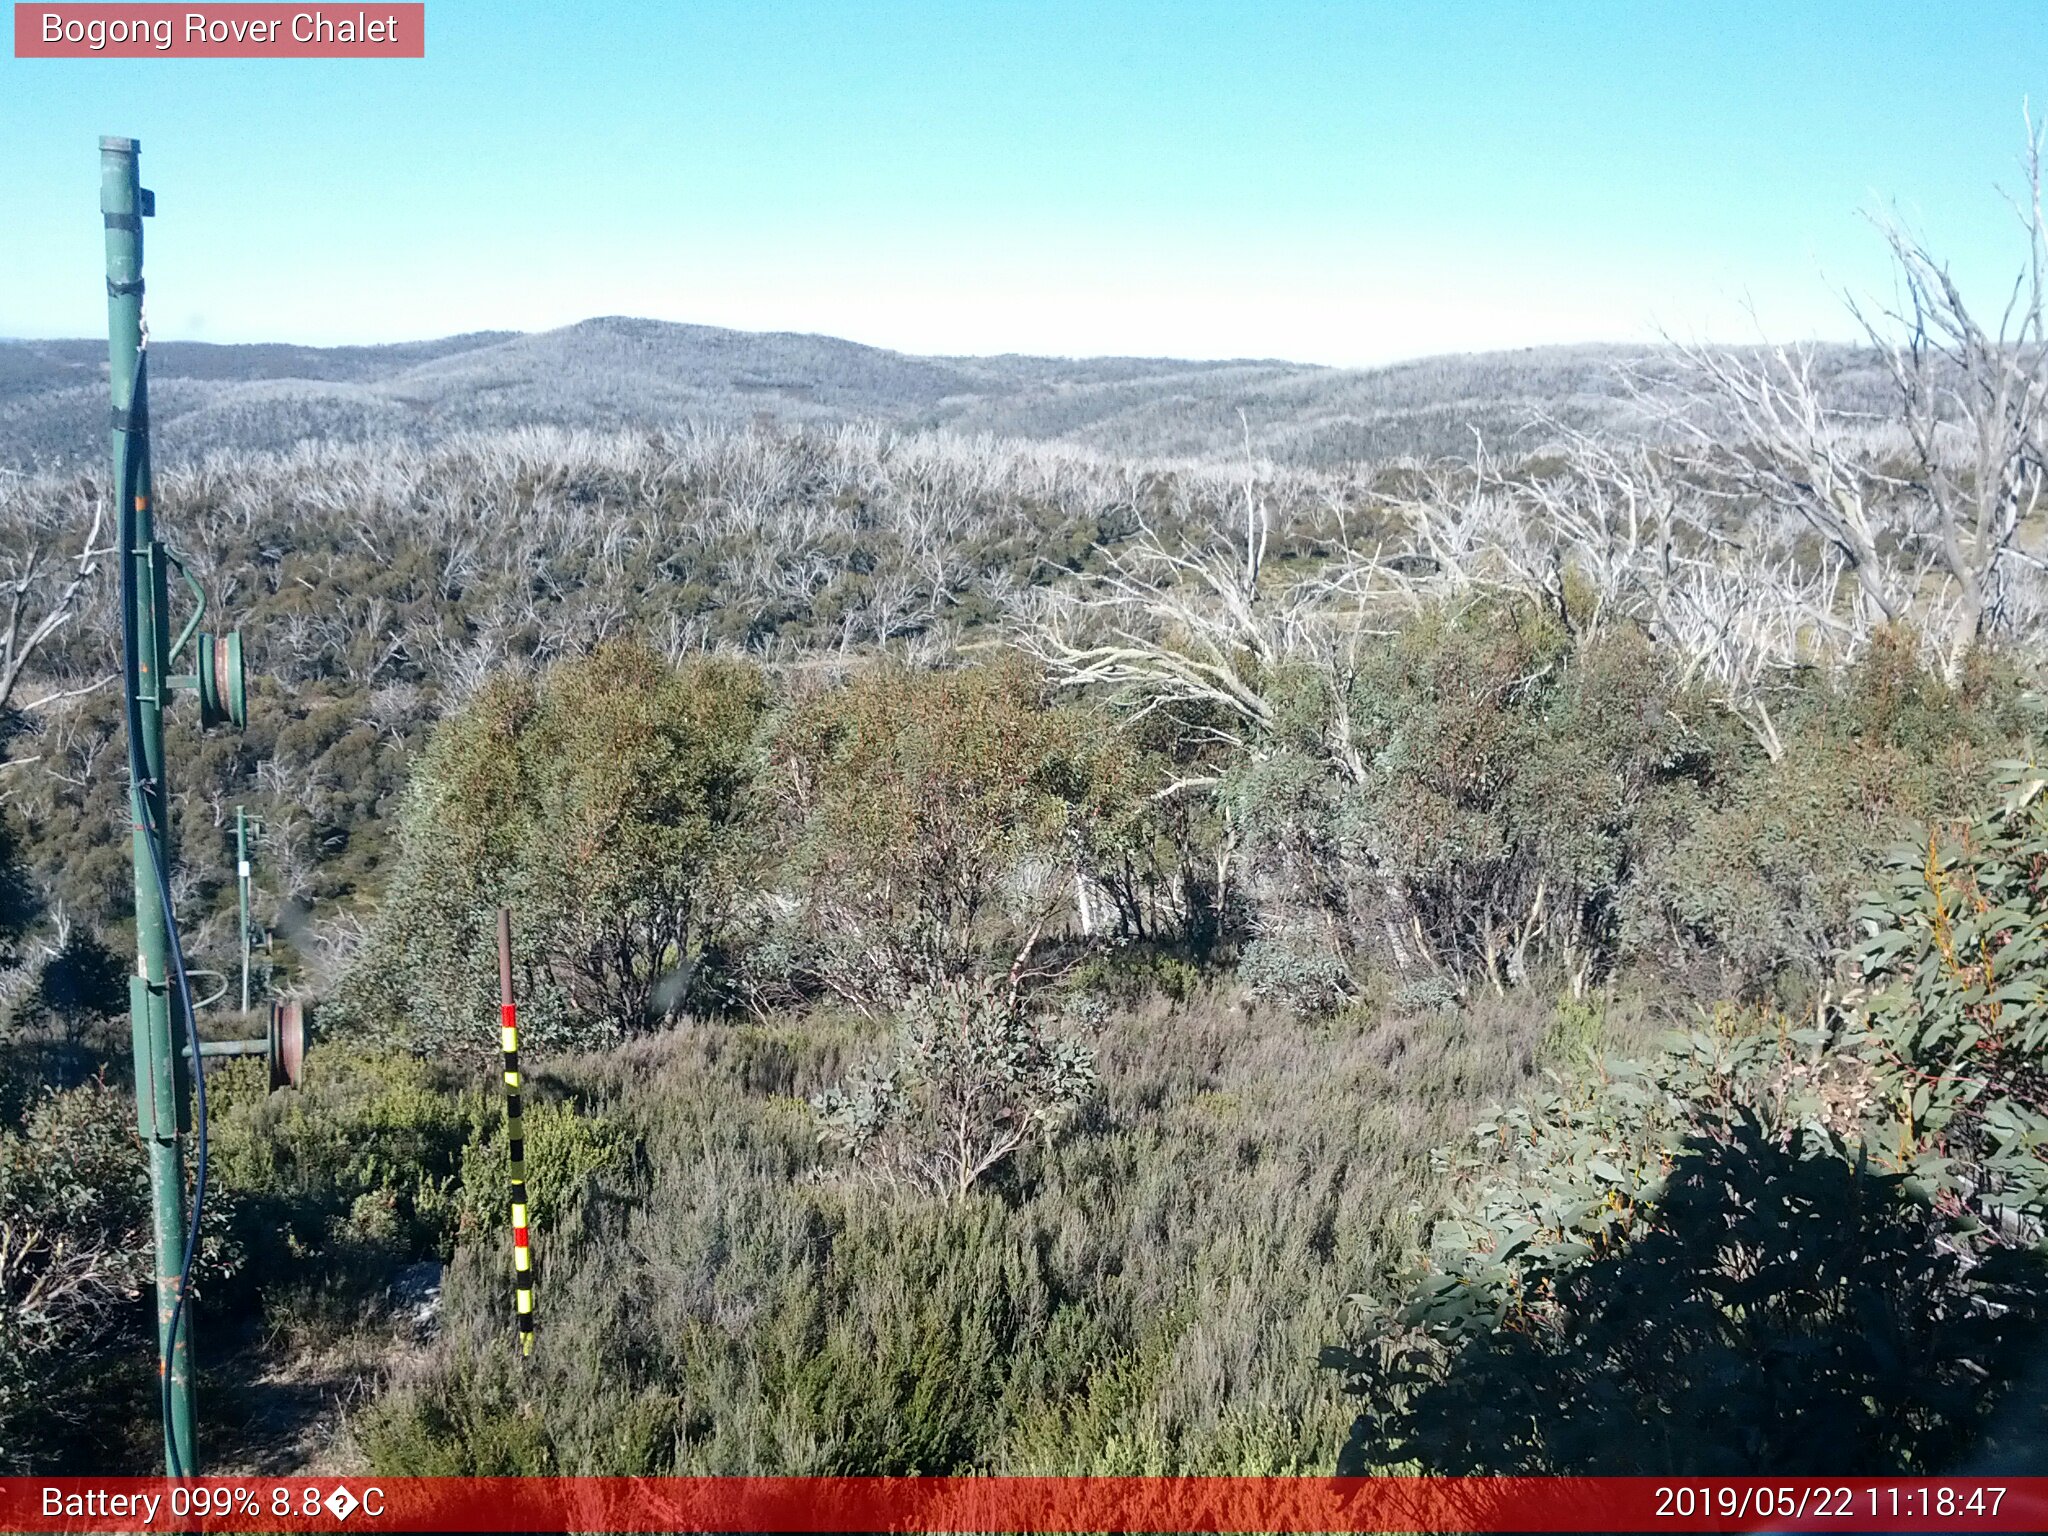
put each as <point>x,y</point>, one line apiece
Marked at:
<point>160,1076</point>
<point>169,1058</point>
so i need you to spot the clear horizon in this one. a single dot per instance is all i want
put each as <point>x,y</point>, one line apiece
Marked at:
<point>508,332</point>
<point>1347,185</point>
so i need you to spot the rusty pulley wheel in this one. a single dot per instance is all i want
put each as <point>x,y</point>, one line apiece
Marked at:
<point>287,1043</point>
<point>223,671</point>
<point>223,684</point>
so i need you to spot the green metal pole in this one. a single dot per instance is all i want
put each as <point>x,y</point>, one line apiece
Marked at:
<point>242,884</point>
<point>159,1084</point>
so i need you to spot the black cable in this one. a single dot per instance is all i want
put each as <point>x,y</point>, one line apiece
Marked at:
<point>141,785</point>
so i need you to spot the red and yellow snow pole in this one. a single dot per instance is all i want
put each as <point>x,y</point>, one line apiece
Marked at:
<point>515,1133</point>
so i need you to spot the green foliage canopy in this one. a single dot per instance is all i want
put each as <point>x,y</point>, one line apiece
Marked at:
<point>1956,960</point>
<point>937,822</point>
<point>607,802</point>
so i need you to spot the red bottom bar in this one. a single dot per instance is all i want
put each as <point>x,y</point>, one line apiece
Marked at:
<point>1048,1504</point>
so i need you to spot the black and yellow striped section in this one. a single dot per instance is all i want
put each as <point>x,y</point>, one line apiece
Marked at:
<point>515,1132</point>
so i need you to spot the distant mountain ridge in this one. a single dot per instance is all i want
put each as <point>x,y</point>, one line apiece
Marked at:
<point>615,371</point>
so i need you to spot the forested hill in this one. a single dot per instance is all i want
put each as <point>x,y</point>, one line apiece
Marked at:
<point>623,372</point>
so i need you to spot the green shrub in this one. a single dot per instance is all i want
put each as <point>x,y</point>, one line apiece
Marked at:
<point>884,1350</point>
<point>937,822</point>
<point>477,1421</point>
<point>363,1164</point>
<point>1543,1186</point>
<point>1152,1298</point>
<point>1955,959</point>
<point>565,1150</point>
<point>1300,977</point>
<point>1425,994</point>
<point>974,1078</point>
<point>1498,786</point>
<point>77,1257</point>
<point>1763,873</point>
<point>608,802</point>
<point>1779,1309</point>
<point>1127,973</point>
<point>83,981</point>
<point>1629,1267</point>
<point>1575,1034</point>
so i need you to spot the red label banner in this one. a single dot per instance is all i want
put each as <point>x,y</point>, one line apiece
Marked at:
<point>1036,1504</point>
<point>372,31</point>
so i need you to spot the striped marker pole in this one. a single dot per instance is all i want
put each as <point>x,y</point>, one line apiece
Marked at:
<point>515,1133</point>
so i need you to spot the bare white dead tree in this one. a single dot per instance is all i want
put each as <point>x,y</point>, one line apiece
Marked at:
<point>1169,625</point>
<point>1972,400</point>
<point>1740,628</point>
<point>40,600</point>
<point>1606,534</point>
<point>1192,622</point>
<point>1938,542</point>
<point>1194,625</point>
<point>1792,451</point>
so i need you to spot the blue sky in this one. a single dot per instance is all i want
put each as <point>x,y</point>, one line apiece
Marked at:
<point>1340,183</point>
